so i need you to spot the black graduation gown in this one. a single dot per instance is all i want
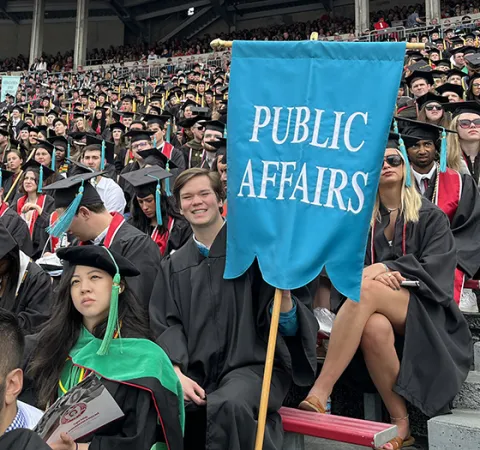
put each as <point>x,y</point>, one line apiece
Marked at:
<point>465,225</point>
<point>181,232</point>
<point>437,345</point>
<point>7,185</point>
<point>140,250</point>
<point>22,439</point>
<point>40,235</point>
<point>18,228</point>
<point>216,330</point>
<point>178,159</point>
<point>33,302</point>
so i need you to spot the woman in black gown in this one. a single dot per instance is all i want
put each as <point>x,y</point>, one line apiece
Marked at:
<point>415,341</point>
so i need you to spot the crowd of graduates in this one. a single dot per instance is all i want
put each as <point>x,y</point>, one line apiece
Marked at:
<point>113,247</point>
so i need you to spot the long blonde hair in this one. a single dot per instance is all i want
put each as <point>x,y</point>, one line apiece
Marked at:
<point>443,122</point>
<point>454,150</point>
<point>410,199</point>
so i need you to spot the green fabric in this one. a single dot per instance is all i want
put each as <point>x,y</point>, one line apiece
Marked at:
<point>159,446</point>
<point>127,359</point>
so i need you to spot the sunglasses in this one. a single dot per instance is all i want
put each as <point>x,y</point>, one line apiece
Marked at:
<point>467,123</point>
<point>434,107</point>
<point>394,160</point>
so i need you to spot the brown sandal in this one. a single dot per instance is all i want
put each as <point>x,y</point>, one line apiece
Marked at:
<point>312,403</point>
<point>398,443</point>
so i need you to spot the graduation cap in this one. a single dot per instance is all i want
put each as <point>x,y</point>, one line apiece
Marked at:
<point>44,172</point>
<point>450,87</point>
<point>154,118</point>
<point>424,131</point>
<point>106,148</point>
<point>139,135</point>
<point>188,103</point>
<point>71,193</point>
<point>18,108</point>
<point>463,107</point>
<point>189,123</point>
<point>58,119</point>
<point>127,114</point>
<point>154,157</point>
<point>214,125</point>
<point>111,262</point>
<point>128,98</point>
<point>117,126</point>
<point>52,112</point>
<point>455,71</point>
<point>4,176</point>
<point>430,97</point>
<point>147,182</point>
<point>4,132</point>
<point>77,168</point>
<point>473,61</point>
<point>417,74</point>
<point>8,243</point>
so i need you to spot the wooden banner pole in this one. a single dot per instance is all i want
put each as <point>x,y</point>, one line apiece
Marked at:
<point>267,374</point>
<point>217,44</point>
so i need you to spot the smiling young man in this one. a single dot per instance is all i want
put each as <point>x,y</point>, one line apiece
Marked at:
<point>215,330</point>
<point>454,193</point>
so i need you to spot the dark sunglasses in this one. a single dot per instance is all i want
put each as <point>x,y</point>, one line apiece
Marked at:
<point>432,107</point>
<point>467,123</point>
<point>393,160</point>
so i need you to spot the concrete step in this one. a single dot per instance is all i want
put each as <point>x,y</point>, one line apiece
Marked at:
<point>469,395</point>
<point>460,430</point>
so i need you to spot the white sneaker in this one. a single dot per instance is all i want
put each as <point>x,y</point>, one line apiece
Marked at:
<point>468,301</point>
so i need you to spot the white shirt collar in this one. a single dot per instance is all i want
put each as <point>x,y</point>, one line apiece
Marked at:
<point>422,176</point>
<point>98,240</point>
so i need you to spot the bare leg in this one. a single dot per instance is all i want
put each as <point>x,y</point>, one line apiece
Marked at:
<point>322,296</point>
<point>383,365</point>
<point>348,329</point>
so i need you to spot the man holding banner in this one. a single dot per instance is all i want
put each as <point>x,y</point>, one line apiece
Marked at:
<point>215,330</point>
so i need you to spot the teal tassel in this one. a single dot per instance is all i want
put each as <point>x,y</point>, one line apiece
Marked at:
<point>169,131</point>
<point>102,162</point>
<point>40,180</point>
<point>1,180</point>
<point>158,209</point>
<point>443,152</point>
<point>167,181</point>
<point>155,142</point>
<point>68,150</point>
<point>54,156</point>
<point>395,126</point>
<point>408,180</point>
<point>63,222</point>
<point>225,133</point>
<point>112,322</point>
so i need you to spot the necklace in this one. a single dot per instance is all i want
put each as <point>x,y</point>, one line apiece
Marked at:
<point>392,209</point>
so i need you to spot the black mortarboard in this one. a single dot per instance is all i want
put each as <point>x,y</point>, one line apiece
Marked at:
<point>118,126</point>
<point>58,141</point>
<point>453,72</point>
<point>154,157</point>
<point>18,108</point>
<point>127,97</point>
<point>46,145</point>
<point>153,118</point>
<point>219,144</point>
<point>189,123</point>
<point>473,60</point>
<point>25,126</point>
<point>428,98</point>
<point>58,119</point>
<point>77,168</point>
<point>443,62</point>
<point>454,51</point>
<point>44,172</point>
<point>144,181</point>
<point>463,107</point>
<point>214,125</point>
<point>417,74</point>
<point>65,191</point>
<point>419,130</point>
<point>450,87</point>
<point>98,256</point>
<point>393,140</point>
<point>128,114</point>
<point>188,103</point>
<point>154,110</point>
<point>139,135</point>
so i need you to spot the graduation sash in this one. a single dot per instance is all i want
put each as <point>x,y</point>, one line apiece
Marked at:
<point>115,224</point>
<point>21,203</point>
<point>138,363</point>
<point>3,208</point>
<point>167,150</point>
<point>447,198</point>
<point>161,239</point>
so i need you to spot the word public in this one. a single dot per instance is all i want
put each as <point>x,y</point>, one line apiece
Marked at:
<point>292,180</point>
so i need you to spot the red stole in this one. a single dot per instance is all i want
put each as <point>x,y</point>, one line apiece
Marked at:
<point>53,240</point>
<point>162,239</point>
<point>115,224</point>
<point>21,203</point>
<point>167,150</point>
<point>447,198</point>
<point>3,208</point>
<point>224,213</point>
